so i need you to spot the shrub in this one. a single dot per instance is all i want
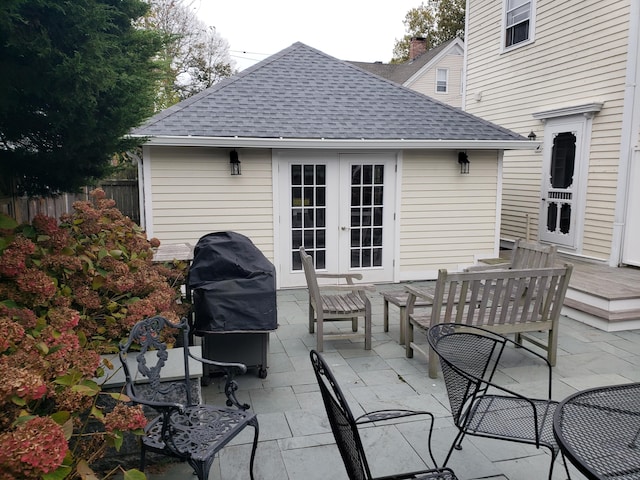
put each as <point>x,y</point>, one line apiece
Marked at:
<point>69,292</point>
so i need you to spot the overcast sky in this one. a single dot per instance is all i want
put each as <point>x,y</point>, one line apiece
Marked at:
<point>357,30</point>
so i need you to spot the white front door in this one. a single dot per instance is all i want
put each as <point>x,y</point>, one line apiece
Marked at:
<point>340,207</point>
<point>561,194</point>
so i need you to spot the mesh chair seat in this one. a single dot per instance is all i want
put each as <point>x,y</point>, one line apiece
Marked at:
<point>510,417</point>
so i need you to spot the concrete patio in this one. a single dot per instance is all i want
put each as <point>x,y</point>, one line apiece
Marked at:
<point>295,438</point>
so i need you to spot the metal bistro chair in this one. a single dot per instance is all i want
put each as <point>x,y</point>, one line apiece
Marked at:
<point>184,429</point>
<point>345,429</point>
<point>336,302</point>
<point>469,357</point>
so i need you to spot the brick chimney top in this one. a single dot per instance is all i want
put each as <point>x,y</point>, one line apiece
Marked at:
<point>417,47</point>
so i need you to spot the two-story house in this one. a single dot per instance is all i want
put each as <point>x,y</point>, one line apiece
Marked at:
<point>437,72</point>
<point>564,74</point>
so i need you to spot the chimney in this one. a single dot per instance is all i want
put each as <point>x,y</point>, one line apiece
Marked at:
<point>417,47</point>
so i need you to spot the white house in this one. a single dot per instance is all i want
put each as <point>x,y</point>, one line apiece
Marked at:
<point>566,73</point>
<point>366,174</point>
<point>437,72</point>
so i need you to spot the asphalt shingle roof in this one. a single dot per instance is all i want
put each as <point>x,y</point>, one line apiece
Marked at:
<point>401,72</point>
<point>302,93</point>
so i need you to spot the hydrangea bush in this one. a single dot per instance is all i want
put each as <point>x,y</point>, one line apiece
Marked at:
<point>69,292</point>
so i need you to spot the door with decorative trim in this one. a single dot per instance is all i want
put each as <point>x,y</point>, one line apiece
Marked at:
<point>341,208</point>
<point>561,194</point>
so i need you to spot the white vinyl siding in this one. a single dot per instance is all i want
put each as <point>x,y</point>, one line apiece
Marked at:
<point>579,57</point>
<point>446,219</point>
<point>193,193</point>
<point>425,83</point>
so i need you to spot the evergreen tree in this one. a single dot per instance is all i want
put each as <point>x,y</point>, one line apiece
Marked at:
<point>77,75</point>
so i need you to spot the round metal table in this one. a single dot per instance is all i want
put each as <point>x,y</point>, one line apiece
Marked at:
<point>598,430</point>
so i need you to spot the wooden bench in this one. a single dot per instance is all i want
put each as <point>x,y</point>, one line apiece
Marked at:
<point>524,255</point>
<point>518,301</point>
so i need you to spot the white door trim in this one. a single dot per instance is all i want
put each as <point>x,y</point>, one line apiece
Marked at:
<point>581,124</point>
<point>335,202</point>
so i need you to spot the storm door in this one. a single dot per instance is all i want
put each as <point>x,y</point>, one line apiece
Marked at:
<point>561,194</point>
<point>341,208</point>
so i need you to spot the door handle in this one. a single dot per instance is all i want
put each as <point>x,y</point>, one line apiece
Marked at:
<point>345,228</point>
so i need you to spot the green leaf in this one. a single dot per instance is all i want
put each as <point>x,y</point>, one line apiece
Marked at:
<point>118,438</point>
<point>121,397</point>
<point>29,232</point>
<point>67,428</point>
<point>59,473</point>
<point>60,417</point>
<point>134,474</point>
<point>102,253</point>
<point>96,412</point>
<point>97,282</point>
<point>68,379</point>
<point>18,401</point>
<point>7,223</point>
<point>87,387</point>
<point>43,347</point>
<point>115,253</point>
<point>86,260</point>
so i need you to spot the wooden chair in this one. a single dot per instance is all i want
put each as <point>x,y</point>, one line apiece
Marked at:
<point>469,357</point>
<point>185,428</point>
<point>348,304</point>
<point>345,429</point>
<point>524,255</point>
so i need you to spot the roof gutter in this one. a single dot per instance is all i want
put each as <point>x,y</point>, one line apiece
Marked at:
<point>343,144</point>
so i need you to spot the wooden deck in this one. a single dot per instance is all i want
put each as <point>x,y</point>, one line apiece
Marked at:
<point>604,297</point>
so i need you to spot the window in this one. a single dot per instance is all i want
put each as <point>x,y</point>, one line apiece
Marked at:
<point>518,22</point>
<point>442,75</point>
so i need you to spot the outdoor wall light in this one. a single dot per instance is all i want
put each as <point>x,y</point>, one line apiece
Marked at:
<point>234,161</point>
<point>532,136</point>
<point>463,160</point>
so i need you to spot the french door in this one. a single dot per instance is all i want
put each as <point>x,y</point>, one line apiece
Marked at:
<point>561,200</point>
<point>340,207</point>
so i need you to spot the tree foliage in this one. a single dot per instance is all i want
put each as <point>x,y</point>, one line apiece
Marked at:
<point>194,56</point>
<point>436,22</point>
<point>77,75</point>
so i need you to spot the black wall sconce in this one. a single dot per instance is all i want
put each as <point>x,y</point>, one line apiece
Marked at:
<point>234,161</point>
<point>463,160</point>
<point>532,136</point>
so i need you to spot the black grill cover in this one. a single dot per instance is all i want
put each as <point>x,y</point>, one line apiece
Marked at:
<point>233,285</point>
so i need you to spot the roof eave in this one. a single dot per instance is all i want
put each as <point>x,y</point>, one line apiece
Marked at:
<point>347,144</point>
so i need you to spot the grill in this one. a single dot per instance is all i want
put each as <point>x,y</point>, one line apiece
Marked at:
<point>233,287</point>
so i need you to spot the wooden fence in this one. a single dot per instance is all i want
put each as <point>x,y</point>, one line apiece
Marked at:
<point>23,209</point>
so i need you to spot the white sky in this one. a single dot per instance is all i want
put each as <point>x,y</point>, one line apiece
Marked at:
<point>356,30</point>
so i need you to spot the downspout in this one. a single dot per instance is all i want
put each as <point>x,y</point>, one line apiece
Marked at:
<point>463,104</point>
<point>140,163</point>
<point>629,126</point>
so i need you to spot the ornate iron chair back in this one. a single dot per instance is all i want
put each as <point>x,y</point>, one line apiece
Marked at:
<point>184,428</point>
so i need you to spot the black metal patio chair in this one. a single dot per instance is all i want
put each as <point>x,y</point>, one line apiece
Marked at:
<point>345,429</point>
<point>184,428</point>
<point>469,357</point>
